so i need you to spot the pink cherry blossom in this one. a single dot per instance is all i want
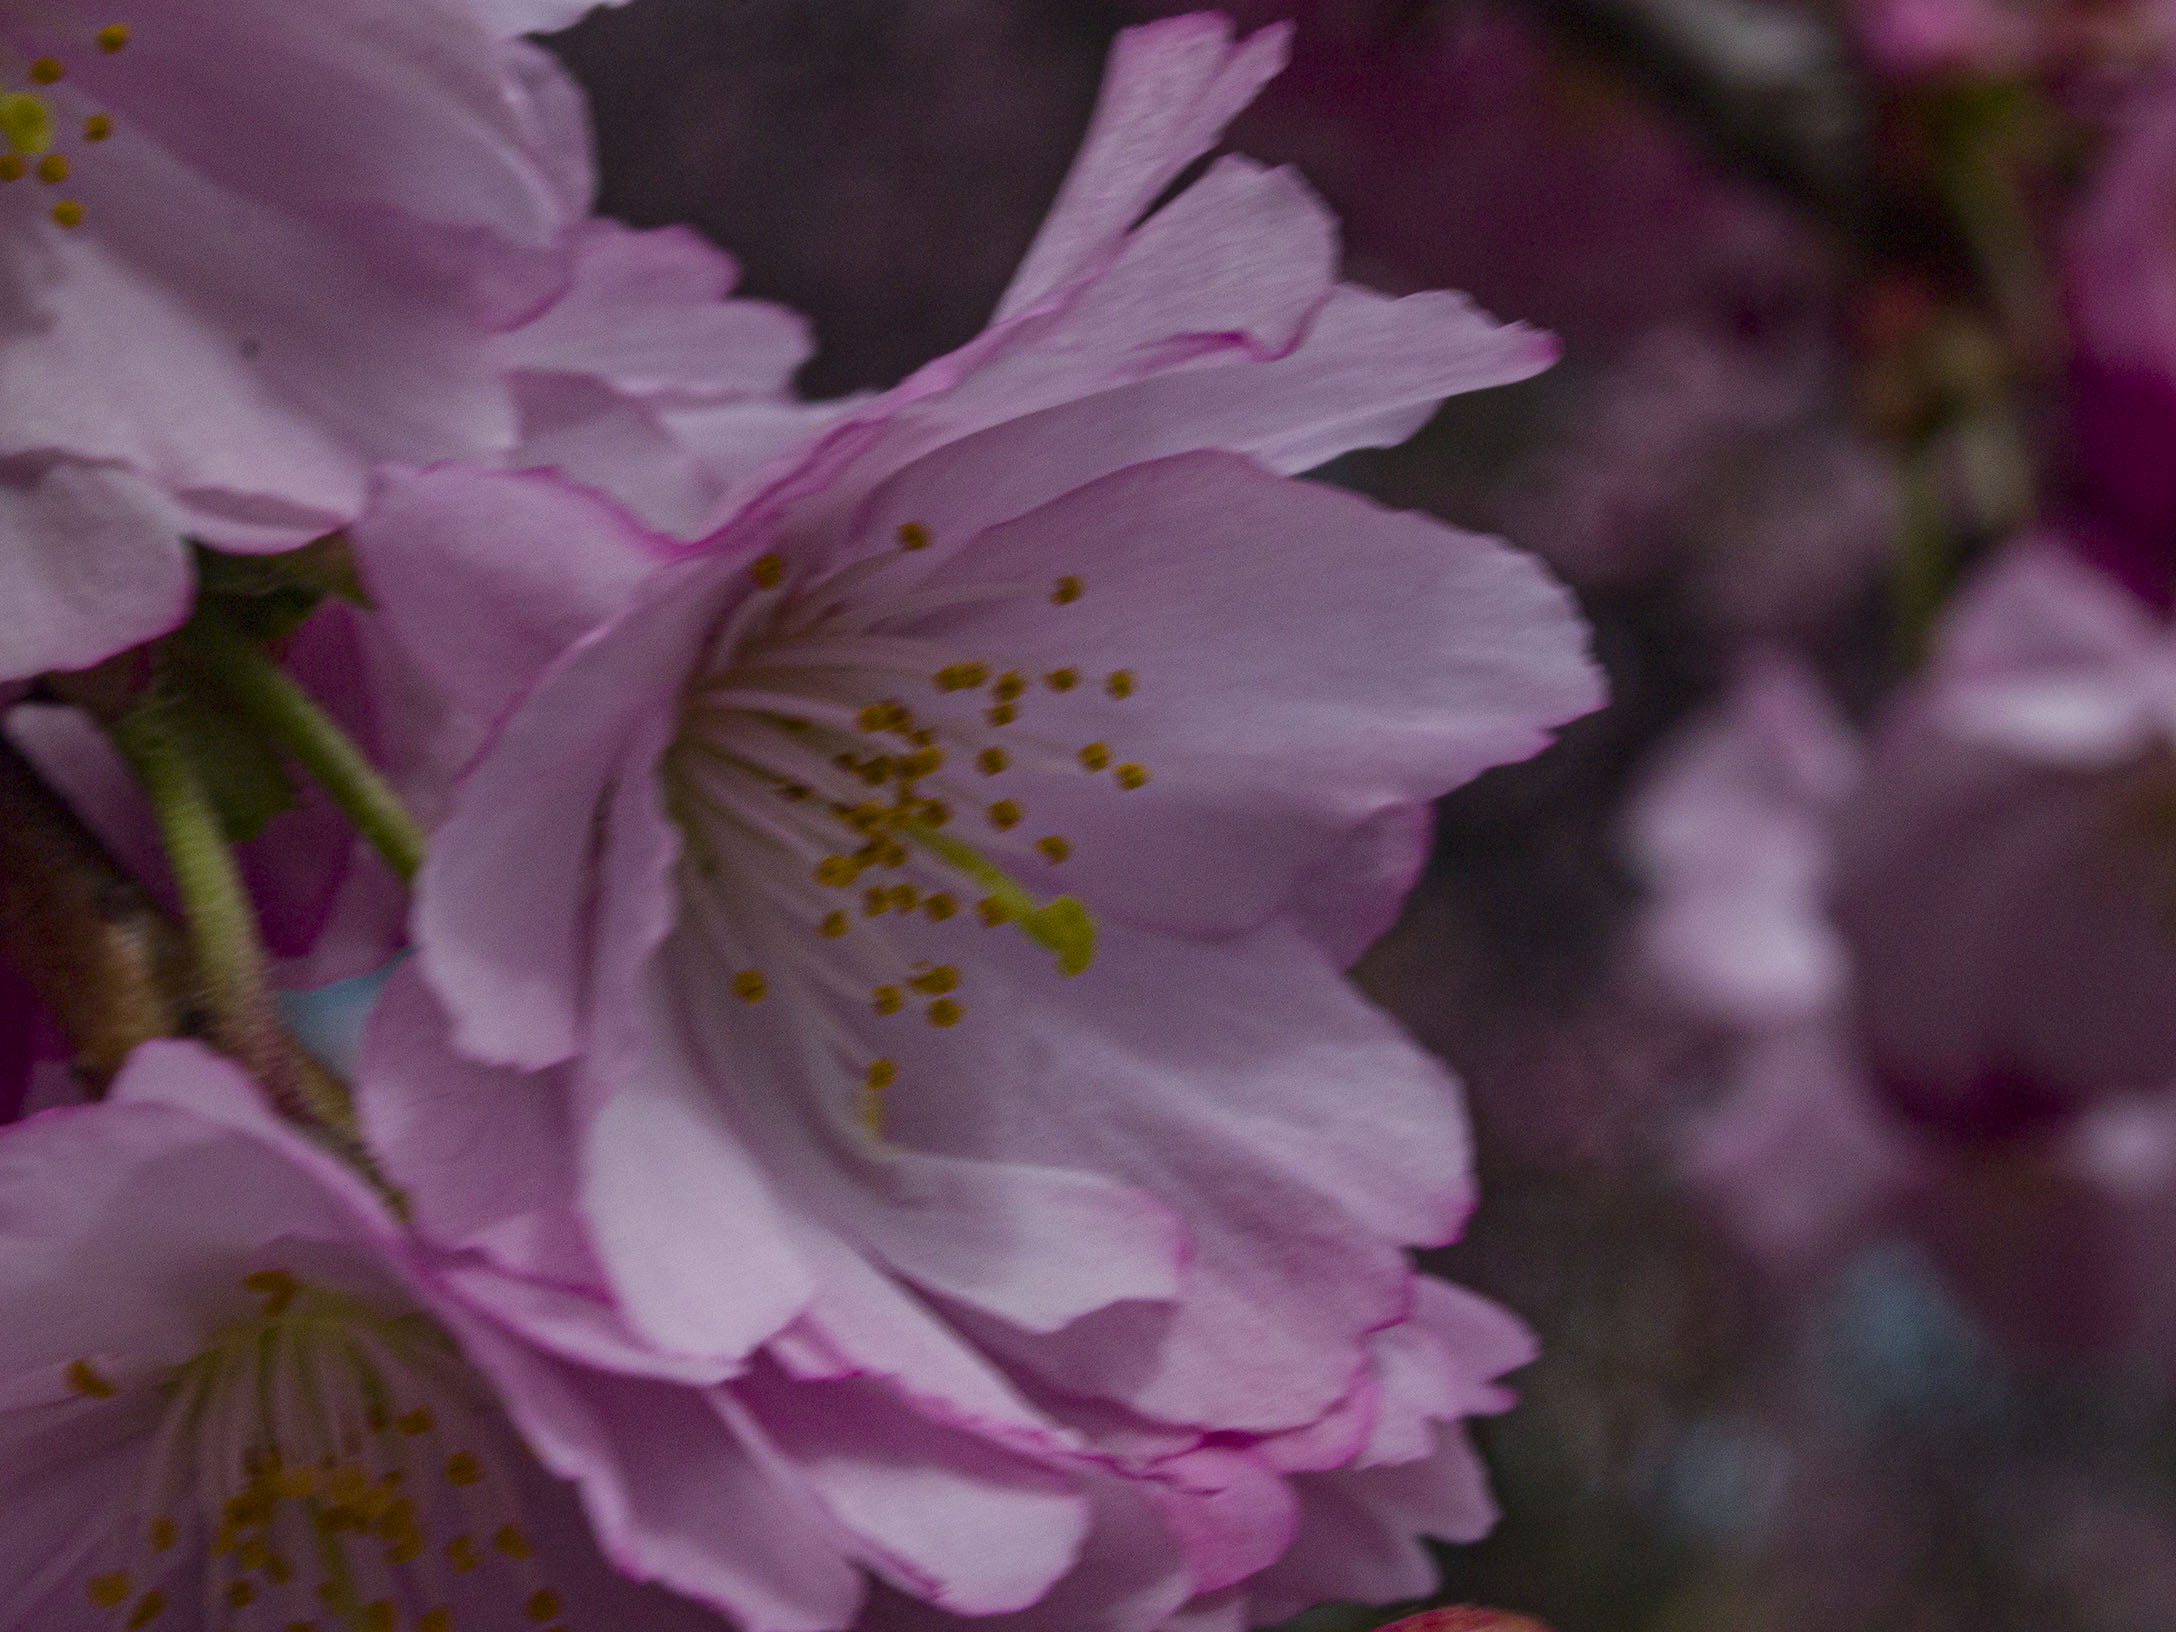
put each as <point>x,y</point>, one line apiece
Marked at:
<point>1947,973</point>
<point>393,191</point>
<point>229,1396</point>
<point>2120,278</point>
<point>891,947</point>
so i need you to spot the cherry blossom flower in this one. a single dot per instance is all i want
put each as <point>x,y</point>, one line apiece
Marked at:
<point>892,946</point>
<point>1947,973</point>
<point>229,1398</point>
<point>254,248</point>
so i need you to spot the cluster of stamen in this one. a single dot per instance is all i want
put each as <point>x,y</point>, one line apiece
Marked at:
<point>29,127</point>
<point>316,1468</point>
<point>862,801</point>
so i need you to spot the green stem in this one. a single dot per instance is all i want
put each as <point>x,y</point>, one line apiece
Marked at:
<point>216,912</point>
<point>246,675</point>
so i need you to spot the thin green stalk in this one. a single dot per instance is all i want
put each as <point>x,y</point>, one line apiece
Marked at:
<point>246,676</point>
<point>217,916</point>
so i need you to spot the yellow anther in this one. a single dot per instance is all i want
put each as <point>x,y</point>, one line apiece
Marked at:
<point>418,1421</point>
<point>880,716</point>
<point>876,901</point>
<point>53,169</point>
<point>110,1591</point>
<point>940,907</point>
<point>796,792</point>
<point>435,1620</point>
<point>48,70</point>
<point>12,167</point>
<point>769,571</point>
<point>97,127</point>
<point>148,1609</point>
<point>882,1074</point>
<point>933,813</point>
<point>1002,714</point>
<point>1055,846</point>
<point>112,37</point>
<point>275,1286</point>
<point>837,871</point>
<point>925,761</point>
<point>936,982</point>
<point>1096,755</point>
<point>888,999</point>
<point>992,760</point>
<point>543,1605</point>
<point>913,536</point>
<point>27,122</point>
<point>1066,591</point>
<point>905,897</point>
<point>944,1012</point>
<point>86,1379</point>
<point>380,1616</point>
<point>67,213</point>
<point>1005,813</point>
<point>961,676</point>
<point>463,1469</point>
<point>834,924</point>
<point>1130,775</point>
<point>1062,679</point>
<point>749,986</point>
<point>994,912</point>
<point>162,1534</point>
<point>1010,686</point>
<point>510,1541</point>
<point>1119,683</point>
<point>241,1594</point>
<point>462,1554</point>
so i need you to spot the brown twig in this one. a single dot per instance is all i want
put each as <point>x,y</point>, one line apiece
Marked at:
<point>108,962</point>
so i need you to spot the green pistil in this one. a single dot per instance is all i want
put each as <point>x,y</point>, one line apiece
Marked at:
<point>1061,925</point>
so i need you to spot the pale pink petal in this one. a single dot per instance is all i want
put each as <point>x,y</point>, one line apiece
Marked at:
<point>511,17</point>
<point>1277,701</point>
<point>1230,1511</point>
<point>1129,1579</point>
<point>1359,1534</point>
<point>94,563</point>
<point>1224,1079</point>
<point>1169,91</point>
<point>647,315</point>
<point>683,1217</point>
<point>674,1494</point>
<point>485,578</point>
<point>1348,902</point>
<point>936,1511</point>
<point>499,912</point>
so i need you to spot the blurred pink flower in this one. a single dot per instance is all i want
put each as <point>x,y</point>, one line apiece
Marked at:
<point>1090,1213</point>
<point>227,1384</point>
<point>2120,272</point>
<point>1949,975</point>
<point>1459,150</point>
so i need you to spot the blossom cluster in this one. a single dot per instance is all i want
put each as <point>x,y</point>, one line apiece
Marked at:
<point>866,1125</point>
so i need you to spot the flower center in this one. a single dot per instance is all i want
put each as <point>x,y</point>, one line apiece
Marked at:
<point>31,126</point>
<point>819,806</point>
<point>319,1464</point>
